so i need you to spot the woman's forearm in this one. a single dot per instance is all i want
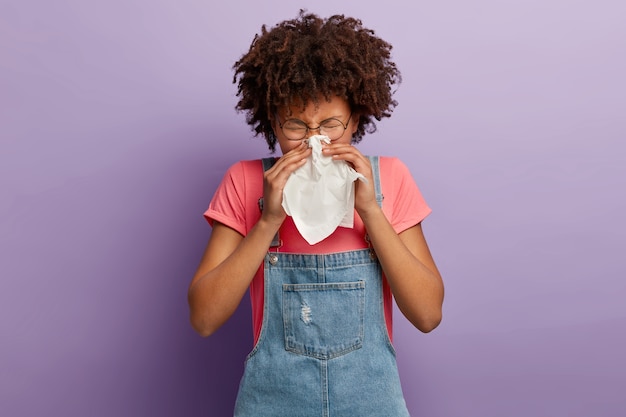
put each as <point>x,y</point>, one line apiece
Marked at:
<point>224,275</point>
<point>410,271</point>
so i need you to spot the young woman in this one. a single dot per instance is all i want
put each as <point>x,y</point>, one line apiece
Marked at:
<point>321,312</point>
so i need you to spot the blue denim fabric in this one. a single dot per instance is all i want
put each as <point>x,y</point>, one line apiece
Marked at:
<point>324,349</point>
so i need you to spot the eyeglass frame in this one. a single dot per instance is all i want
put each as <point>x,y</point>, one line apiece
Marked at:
<point>308,128</point>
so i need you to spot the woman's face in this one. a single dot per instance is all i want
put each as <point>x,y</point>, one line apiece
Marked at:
<point>312,116</point>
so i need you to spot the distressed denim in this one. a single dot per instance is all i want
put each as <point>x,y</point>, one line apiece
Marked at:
<point>324,350</point>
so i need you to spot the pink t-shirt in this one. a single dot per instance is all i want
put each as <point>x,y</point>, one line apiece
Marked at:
<point>235,204</point>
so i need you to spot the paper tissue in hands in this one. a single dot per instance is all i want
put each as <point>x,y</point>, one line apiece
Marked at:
<point>319,195</point>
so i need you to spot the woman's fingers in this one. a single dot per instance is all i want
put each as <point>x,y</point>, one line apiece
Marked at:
<point>350,154</point>
<point>276,177</point>
<point>364,192</point>
<point>291,161</point>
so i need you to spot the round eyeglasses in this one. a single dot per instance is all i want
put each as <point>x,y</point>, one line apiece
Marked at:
<point>295,129</point>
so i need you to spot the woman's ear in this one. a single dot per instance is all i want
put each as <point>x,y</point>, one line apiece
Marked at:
<point>355,122</point>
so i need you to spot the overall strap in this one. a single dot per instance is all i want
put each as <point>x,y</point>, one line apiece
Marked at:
<point>267,164</point>
<point>374,161</point>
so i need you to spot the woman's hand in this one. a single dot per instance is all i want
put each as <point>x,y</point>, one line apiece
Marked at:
<point>364,194</point>
<point>405,258</point>
<point>275,179</point>
<point>231,260</point>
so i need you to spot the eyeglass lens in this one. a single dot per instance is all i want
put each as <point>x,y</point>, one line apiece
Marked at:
<point>297,129</point>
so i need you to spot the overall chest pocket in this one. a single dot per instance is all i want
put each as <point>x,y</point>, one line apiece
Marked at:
<point>323,320</point>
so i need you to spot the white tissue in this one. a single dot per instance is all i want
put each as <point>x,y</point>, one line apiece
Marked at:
<point>319,196</point>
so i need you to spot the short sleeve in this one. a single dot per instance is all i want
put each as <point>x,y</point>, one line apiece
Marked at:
<point>228,203</point>
<point>408,206</point>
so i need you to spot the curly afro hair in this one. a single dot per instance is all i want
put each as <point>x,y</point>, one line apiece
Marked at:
<point>300,60</point>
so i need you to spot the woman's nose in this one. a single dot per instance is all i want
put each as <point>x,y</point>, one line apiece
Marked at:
<point>310,130</point>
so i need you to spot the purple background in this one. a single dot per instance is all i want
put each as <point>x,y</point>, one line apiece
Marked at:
<point>117,122</point>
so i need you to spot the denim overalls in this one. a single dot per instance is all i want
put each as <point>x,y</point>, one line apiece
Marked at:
<point>323,350</point>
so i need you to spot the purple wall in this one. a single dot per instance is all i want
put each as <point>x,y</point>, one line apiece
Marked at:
<point>117,122</point>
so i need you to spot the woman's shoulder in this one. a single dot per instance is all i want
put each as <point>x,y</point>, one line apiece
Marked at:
<point>241,170</point>
<point>392,166</point>
<point>245,164</point>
